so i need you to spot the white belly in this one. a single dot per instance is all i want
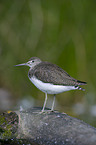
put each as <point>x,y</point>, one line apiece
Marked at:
<point>50,88</point>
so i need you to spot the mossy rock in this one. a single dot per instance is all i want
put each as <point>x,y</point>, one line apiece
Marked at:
<point>8,125</point>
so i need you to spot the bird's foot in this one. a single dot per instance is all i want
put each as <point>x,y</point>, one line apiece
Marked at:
<point>47,111</point>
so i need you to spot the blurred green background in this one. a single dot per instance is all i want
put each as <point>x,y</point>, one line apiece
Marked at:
<point>61,32</point>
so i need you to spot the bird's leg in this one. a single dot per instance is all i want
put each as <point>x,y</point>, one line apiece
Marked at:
<point>52,109</point>
<point>44,102</point>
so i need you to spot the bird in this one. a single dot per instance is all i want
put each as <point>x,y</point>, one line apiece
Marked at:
<point>50,78</point>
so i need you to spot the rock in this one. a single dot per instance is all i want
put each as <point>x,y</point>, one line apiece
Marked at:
<point>52,128</point>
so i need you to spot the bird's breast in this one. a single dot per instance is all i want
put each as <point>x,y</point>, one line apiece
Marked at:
<point>30,73</point>
<point>50,88</point>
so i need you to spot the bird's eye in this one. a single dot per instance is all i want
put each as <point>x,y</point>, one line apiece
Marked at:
<point>32,60</point>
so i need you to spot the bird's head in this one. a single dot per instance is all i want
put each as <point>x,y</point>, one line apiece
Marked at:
<point>31,63</point>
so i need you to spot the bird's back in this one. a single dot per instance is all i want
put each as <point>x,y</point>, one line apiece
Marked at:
<point>51,73</point>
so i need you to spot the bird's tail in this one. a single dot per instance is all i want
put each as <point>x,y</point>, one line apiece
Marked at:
<point>79,88</point>
<point>81,83</point>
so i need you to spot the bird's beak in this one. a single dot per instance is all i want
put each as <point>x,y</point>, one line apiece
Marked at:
<point>21,64</point>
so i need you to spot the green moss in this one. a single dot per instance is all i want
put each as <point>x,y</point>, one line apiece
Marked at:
<point>5,128</point>
<point>2,120</point>
<point>7,132</point>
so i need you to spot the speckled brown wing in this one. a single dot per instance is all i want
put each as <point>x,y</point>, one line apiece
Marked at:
<point>51,73</point>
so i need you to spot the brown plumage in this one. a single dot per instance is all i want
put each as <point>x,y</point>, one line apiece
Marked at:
<point>51,73</point>
<point>50,78</point>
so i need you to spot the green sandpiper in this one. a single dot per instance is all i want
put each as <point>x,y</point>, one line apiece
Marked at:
<point>50,78</point>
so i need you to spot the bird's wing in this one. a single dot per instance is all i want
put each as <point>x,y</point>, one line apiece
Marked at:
<point>51,73</point>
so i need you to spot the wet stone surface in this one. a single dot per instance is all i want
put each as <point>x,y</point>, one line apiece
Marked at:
<point>50,128</point>
<point>55,128</point>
